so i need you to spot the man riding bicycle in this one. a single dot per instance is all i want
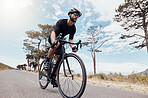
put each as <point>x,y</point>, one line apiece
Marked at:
<point>64,26</point>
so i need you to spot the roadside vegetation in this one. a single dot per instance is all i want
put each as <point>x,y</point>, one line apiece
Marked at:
<point>4,67</point>
<point>132,78</point>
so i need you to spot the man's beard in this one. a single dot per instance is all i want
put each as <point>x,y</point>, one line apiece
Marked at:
<point>72,20</point>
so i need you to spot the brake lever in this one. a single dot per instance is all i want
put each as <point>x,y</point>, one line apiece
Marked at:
<point>78,44</point>
<point>59,37</point>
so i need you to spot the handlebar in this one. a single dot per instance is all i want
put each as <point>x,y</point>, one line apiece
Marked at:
<point>65,42</point>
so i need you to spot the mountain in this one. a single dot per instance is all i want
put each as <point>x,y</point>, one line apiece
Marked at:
<point>144,72</point>
<point>4,66</point>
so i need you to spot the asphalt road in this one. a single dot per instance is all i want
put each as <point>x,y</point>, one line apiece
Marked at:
<point>19,84</point>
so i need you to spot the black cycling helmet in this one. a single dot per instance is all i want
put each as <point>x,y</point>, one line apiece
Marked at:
<point>74,10</point>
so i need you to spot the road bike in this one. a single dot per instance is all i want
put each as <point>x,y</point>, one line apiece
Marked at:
<point>71,77</point>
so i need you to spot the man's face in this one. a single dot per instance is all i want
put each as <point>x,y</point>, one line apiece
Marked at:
<point>74,16</point>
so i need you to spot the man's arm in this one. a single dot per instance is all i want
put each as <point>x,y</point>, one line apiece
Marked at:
<point>72,46</point>
<point>53,37</point>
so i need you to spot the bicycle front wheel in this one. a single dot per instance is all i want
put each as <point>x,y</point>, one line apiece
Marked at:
<point>71,76</point>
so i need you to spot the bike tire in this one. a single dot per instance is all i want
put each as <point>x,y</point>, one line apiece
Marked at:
<point>84,77</point>
<point>41,75</point>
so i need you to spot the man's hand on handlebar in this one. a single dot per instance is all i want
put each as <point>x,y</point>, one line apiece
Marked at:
<point>74,49</point>
<point>55,45</point>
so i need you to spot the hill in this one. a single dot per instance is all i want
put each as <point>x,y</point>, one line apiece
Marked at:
<point>144,72</point>
<point>4,67</point>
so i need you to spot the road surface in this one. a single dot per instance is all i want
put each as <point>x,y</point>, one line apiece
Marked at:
<point>20,84</point>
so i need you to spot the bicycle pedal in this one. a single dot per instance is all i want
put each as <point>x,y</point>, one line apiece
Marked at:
<point>54,86</point>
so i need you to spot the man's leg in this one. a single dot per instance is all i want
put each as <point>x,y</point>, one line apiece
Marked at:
<point>52,49</point>
<point>51,52</point>
<point>57,57</point>
<point>54,82</point>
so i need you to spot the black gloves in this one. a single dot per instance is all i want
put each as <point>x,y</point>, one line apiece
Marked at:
<point>73,48</point>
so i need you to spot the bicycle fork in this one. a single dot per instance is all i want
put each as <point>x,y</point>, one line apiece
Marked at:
<point>65,74</point>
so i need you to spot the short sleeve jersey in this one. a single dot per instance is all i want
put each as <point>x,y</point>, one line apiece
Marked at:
<point>62,27</point>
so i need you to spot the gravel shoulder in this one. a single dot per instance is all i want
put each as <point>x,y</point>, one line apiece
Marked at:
<point>120,85</point>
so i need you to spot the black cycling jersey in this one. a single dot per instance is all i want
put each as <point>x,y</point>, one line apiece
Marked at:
<point>62,27</point>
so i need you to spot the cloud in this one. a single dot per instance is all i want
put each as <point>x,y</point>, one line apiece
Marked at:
<point>43,9</point>
<point>127,67</point>
<point>50,16</point>
<point>84,55</point>
<point>60,2</point>
<point>58,11</point>
<point>113,33</point>
<point>105,9</point>
<point>45,1</point>
<point>26,3</point>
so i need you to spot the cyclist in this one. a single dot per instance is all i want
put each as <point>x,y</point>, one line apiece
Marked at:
<point>64,26</point>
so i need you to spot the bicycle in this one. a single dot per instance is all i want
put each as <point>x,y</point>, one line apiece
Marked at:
<point>71,77</point>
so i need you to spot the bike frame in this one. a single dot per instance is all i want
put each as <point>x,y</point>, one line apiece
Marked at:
<point>61,59</point>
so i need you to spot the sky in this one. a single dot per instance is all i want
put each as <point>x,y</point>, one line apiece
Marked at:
<point>19,16</point>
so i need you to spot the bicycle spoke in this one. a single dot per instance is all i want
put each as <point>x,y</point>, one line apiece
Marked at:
<point>73,87</point>
<point>62,79</point>
<point>73,90</point>
<point>64,85</point>
<point>77,83</point>
<point>64,82</point>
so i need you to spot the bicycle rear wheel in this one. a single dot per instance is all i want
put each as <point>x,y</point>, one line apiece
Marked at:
<point>71,76</point>
<point>43,75</point>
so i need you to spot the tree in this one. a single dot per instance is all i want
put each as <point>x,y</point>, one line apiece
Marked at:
<point>36,36</point>
<point>36,44</point>
<point>94,33</point>
<point>45,31</point>
<point>18,66</point>
<point>28,48</point>
<point>33,64</point>
<point>22,67</point>
<point>134,14</point>
<point>29,57</point>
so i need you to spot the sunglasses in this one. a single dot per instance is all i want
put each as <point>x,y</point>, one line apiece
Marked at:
<point>76,14</point>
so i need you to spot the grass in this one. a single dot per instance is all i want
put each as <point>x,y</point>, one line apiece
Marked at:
<point>32,71</point>
<point>4,67</point>
<point>132,78</point>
